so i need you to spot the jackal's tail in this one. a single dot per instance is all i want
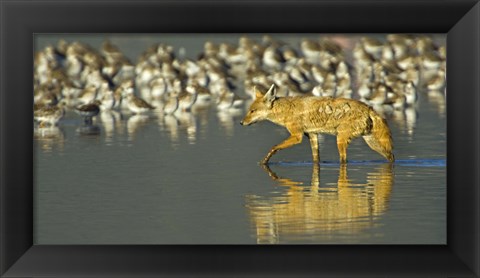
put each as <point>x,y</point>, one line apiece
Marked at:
<point>380,138</point>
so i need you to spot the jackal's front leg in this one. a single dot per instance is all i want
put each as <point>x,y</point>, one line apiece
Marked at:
<point>290,141</point>
<point>314,145</point>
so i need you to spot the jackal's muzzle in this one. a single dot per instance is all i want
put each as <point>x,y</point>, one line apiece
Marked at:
<point>246,123</point>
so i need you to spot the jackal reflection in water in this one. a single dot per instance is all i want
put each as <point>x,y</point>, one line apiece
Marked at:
<point>305,213</point>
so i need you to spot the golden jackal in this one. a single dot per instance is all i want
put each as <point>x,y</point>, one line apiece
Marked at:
<point>309,115</point>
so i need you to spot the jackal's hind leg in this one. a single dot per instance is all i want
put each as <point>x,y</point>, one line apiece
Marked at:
<point>314,145</point>
<point>290,141</point>
<point>342,143</point>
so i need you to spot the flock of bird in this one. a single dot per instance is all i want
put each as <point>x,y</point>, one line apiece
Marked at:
<point>387,74</point>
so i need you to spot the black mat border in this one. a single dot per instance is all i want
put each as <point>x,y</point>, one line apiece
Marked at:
<point>21,19</point>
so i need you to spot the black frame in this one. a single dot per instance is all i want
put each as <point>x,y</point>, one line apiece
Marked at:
<point>21,19</point>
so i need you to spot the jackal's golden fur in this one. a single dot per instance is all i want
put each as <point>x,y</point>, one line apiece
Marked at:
<point>309,115</point>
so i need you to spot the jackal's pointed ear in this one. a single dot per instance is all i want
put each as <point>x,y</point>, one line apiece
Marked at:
<point>258,94</point>
<point>270,95</point>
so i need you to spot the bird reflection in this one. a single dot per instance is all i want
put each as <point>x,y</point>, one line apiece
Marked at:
<point>187,121</point>
<point>49,137</point>
<point>134,123</point>
<point>411,115</point>
<point>88,130</point>
<point>108,122</point>
<point>406,120</point>
<point>171,124</point>
<point>437,98</point>
<point>319,211</point>
<point>228,118</point>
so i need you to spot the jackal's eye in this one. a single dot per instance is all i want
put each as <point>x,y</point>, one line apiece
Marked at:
<point>253,110</point>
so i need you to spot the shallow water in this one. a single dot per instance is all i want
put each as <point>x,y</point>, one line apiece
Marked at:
<point>195,179</point>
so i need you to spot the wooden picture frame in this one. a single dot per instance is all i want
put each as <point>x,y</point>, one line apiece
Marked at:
<point>20,20</point>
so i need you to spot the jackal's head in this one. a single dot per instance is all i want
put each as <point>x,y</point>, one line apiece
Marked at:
<point>260,107</point>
